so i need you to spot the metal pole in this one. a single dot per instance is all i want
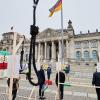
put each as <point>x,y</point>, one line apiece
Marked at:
<point>62,49</point>
<point>34,13</point>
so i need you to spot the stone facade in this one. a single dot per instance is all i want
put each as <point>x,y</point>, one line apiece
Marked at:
<point>6,43</point>
<point>76,47</point>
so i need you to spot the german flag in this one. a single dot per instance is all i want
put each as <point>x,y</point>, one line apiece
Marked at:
<point>56,7</point>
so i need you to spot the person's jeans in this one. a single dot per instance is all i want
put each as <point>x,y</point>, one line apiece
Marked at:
<point>48,76</point>
<point>61,91</point>
<point>98,93</point>
<point>14,93</point>
<point>40,90</point>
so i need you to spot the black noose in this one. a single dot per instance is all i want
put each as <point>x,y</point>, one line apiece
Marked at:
<point>33,31</point>
<point>21,56</point>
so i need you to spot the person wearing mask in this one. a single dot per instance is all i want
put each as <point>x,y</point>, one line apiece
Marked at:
<point>41,74</point>
<point>61,80</point>
<point>96,81</point>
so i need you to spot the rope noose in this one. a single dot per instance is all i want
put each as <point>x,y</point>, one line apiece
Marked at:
<point>33,32</point>
<point>21,57</point>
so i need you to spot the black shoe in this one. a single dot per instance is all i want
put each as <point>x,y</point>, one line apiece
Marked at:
<point>40,97</point>
<point>43,97</point>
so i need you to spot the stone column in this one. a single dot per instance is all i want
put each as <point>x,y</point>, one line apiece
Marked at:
<point>41,51</point>
<point>36,52</point>
<point>82,51</point>
<point>45,55</point>
<point>67,49</point>
<point>59,54</point>
<point>71,49</point>
<point>90,51</point>
<point>53,51</point>
<point>48,52</point>
<point>99,51</point>
<point>39,46</point>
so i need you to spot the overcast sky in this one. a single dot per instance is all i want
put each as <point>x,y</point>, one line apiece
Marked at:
<point>84,15</point>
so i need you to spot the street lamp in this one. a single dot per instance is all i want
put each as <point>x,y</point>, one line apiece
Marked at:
<point>33,32</point>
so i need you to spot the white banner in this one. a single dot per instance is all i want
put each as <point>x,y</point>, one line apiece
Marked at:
<point>38,65</point>
<point>58,66</point>
<point>13,66</point>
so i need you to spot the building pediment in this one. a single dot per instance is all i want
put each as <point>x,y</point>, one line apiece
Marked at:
<point>49,33</point>
<point>46,33</point>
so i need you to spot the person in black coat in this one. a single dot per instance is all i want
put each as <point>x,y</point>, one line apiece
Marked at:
<point>48,72</point>
<point>96,81</point>
<point>61,80</point>
<point>41,74</point>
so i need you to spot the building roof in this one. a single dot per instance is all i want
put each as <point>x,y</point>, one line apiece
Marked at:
<point>87,35</point>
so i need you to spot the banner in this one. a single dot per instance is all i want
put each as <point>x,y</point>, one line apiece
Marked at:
<point>13,66</point>
<point>38,65</point>
<point>3,66</point>
<point>58,66</point>
<point>9,65</point>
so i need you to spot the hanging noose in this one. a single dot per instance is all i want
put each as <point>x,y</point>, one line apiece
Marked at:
<point>33,32</point>
<point>22,58</point>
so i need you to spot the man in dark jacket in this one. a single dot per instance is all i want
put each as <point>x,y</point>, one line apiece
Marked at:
<point>41,82</point>
<point>96,81</point>
<point>61,80</point>
<point>48,72</point>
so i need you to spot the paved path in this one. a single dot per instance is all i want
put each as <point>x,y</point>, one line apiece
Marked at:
<point>70,93</point>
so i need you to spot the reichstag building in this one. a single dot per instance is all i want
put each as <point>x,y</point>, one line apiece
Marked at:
<point>77,47</point>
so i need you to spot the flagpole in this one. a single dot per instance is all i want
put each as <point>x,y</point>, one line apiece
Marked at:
<point>62,47</point>
<point>55,8</point>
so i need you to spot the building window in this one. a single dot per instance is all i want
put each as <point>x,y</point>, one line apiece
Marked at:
<point>93,44</point>
<point>85,44</point>
<point>78,55</point>
<point>94,55</point>
<point>86,56</point>
<point>77,45</point>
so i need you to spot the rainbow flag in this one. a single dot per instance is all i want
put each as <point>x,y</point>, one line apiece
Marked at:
<point>56,7</point>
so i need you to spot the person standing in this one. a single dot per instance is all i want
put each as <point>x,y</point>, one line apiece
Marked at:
<point>67,70</point>
<point>61,80</point>
<point>48,72</point>
<point>15,87</point>
<point>96,81</point>
<point>41,74</point>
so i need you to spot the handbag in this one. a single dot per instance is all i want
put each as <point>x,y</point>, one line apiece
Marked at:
<point>49,82</point>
